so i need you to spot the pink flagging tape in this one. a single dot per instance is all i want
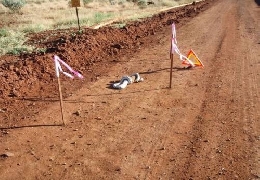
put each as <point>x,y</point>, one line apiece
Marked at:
<point>58,68</point>
<point>174,38</point>
<point>174,47</point>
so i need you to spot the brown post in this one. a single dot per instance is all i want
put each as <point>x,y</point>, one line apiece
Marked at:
<point>76,4</point>
<point>171,57</point>
<point>77,13</point>
<point>61,101</point>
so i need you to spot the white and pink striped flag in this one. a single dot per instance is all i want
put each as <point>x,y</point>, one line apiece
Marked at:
<point>58,69</point>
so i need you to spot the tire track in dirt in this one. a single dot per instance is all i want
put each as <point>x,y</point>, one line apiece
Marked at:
<point>217,37</point>
<point>207,128</point>
<point>251,81</point>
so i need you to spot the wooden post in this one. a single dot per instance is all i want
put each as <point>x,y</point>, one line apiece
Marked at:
<point>61,102</point>
<point>77,13</point>
<point>171,57</point>
<point>76,4</point>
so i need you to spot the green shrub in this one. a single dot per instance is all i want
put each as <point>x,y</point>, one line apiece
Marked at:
<point>142,3</point>
<point>18,50</point>
<point>14,5</point>
<point>112,2</point>
<point>3,33</point>
<point>13,43</point>
<point>87,1</point>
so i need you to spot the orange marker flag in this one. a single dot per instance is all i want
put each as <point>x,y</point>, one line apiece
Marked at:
<point>193,58</point>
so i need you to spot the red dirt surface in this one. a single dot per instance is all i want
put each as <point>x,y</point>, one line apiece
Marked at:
<point>205,127</point>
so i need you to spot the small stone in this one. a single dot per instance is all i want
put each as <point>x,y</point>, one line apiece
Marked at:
<point>218,151</point>
<point>80,136</point>
<point>118,169</point>
<point>172,159</point>
<point>77,113</point>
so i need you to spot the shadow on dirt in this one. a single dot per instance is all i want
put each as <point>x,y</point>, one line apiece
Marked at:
<point>29,126</point>
<point>183,68</point>
<point>32,99</point>
<point>37,99</point>
<point>155,71</point>
<point>110,85</point>
<point>119,93</point>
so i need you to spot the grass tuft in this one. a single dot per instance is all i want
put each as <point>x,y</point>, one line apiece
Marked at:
<point>13,43</point>
<point>98,17</point>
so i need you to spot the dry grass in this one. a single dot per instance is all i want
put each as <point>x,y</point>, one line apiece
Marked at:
<point>39,15</point>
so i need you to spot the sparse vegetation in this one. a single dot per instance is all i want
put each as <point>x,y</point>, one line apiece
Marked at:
<point>33,28</point>
<point>99,17</point>
<point>119,25</point>
<point>13,5</point>
<point>142,3</point>
<point>40,15</point>
<point>12,43</point>
<point>3,33</point>
<point>87,1</point>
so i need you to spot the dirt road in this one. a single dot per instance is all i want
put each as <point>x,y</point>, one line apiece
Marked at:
<point>205,127</point>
